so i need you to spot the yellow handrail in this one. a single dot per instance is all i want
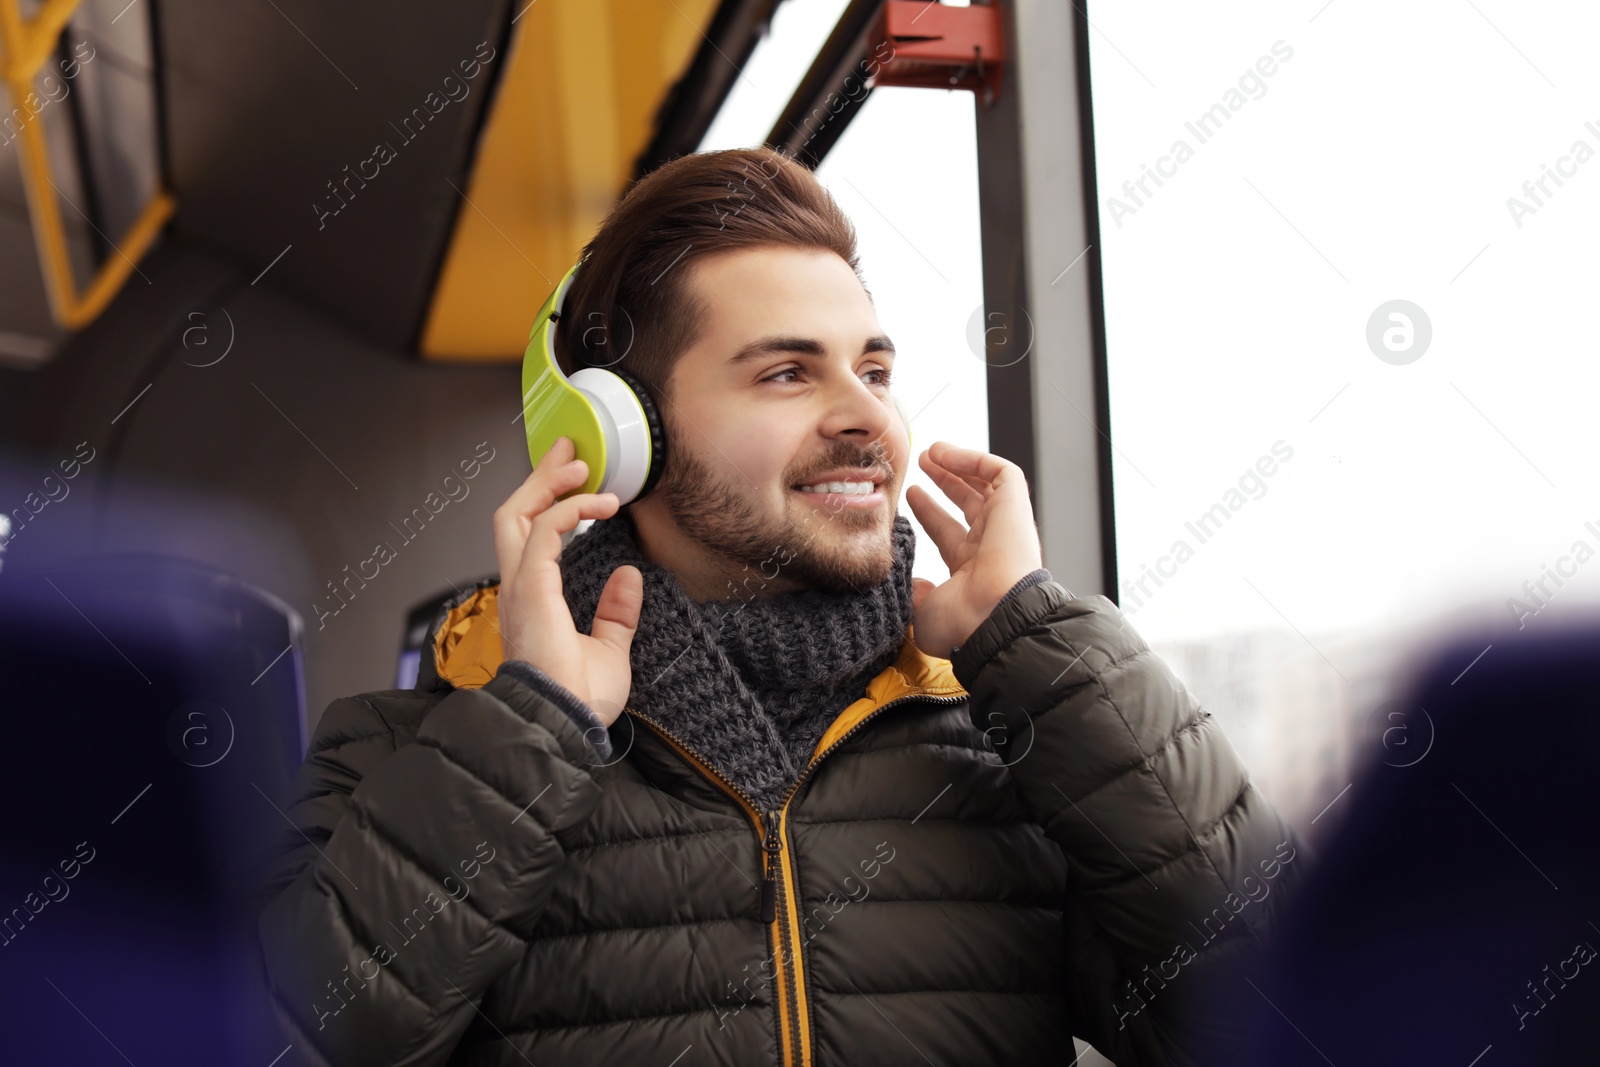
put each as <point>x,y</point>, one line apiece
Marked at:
<point>27,44</point>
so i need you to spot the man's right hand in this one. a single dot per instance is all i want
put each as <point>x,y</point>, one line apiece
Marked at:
<point>535,623</point>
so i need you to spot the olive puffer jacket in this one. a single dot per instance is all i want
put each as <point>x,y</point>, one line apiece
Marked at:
<point>1044,836</point>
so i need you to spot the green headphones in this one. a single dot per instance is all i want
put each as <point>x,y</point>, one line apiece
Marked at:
<point>609,415</point>
<point>607,412</point>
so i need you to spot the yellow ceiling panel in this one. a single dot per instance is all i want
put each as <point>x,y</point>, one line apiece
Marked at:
<point>573,110</point>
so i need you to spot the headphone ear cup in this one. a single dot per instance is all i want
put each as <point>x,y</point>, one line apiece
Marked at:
<point>658,436</point>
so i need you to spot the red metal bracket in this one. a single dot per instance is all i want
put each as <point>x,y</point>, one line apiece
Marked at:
<point>925,44</point>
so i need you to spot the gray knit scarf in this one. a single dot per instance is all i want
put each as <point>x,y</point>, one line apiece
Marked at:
<point>750,683</point>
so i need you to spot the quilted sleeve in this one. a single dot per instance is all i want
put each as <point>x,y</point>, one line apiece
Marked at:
<point>1178,865</point>
<point>417,869</point>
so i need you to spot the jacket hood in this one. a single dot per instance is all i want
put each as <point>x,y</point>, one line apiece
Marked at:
<point>463,651</point>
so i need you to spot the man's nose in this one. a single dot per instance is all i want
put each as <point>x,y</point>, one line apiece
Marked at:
<point>857,412</point>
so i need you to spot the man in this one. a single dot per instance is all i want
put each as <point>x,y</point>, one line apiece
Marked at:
<point>716,781</point>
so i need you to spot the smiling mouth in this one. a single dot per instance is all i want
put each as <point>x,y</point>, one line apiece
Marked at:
<point>848,489</point>
<point>844,498</point>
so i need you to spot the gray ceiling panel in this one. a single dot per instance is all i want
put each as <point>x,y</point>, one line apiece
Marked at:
<point>271,102</point>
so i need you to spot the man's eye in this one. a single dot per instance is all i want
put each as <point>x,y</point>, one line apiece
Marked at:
<point>881,372</point>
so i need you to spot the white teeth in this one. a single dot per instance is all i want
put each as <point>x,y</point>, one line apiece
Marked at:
<point>843,488</point>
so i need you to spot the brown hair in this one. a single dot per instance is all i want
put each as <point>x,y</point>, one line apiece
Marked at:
<point>629,307</point>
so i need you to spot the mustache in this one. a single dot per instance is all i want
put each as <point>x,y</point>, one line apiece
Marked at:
<point>872,462</point>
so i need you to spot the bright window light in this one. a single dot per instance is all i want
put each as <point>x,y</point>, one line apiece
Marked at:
<point>1348,290</point>
<point>765,84</point>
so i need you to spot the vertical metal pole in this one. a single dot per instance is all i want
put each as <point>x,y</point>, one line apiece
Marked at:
<point>1048,405</point>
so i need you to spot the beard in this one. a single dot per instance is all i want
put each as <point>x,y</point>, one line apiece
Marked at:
<point>817,548</point>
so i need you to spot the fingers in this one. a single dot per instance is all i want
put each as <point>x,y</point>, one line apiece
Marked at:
<point>616,619</point>
<point>948,535</point>
<point>980,470</point>
<point>537,491</point>
<point>545,529</point>
<point>1006,520</point>
<point>961,492</point>
<point>557,472</point>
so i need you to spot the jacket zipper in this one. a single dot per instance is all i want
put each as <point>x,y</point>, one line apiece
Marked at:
<point>769,885</point>
<point>794,1023</point>
<point>772,846</point>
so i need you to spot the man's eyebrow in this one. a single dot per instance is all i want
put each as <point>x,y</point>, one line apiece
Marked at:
<point>801,346</point>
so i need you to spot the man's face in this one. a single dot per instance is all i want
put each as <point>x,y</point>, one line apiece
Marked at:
<point>786,388</point>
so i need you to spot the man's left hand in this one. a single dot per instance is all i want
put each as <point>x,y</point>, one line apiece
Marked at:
<point>998,550</point>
